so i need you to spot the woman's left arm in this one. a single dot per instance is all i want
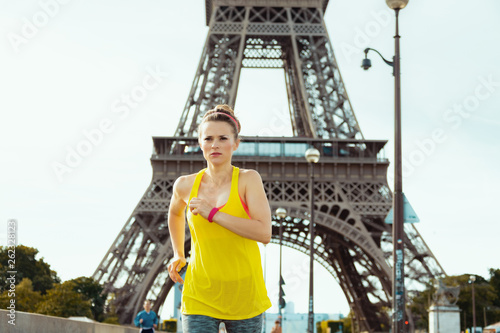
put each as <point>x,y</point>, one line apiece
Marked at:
<point>258,227</point>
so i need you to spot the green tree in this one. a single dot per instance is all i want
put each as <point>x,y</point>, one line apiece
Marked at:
<point>495,283</point>
<point>110,314</point>
<point>347,327</point>
<point>487,294</point>
<point>92,291</point>
<point>64,301</point>
<point>27,266</point>
<point>26,299</point>
<point>483,293</point>
<point>492,312</point>
<point>419,304</point>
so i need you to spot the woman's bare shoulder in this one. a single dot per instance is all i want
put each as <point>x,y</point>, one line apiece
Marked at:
<point>183,185</point>
<point>250,175</point>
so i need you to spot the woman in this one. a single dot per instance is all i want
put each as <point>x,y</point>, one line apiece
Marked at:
<point>228,213</point>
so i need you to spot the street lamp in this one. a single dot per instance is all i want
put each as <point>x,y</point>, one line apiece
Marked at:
<point>398,287</point>
<point>472,279</point>
<point>281,213</point>
<point>312,157</point>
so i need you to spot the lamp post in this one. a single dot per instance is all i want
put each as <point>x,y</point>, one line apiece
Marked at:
<point>472,279</point>
<point>281,213</point>
<point>312,157</point>
<point>398,287</point>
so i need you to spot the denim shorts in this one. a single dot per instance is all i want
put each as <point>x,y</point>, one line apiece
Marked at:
<point>205,324</point>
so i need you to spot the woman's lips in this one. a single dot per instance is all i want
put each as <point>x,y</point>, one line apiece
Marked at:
<point>215,154</point>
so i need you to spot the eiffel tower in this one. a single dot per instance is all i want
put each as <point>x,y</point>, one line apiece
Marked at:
<point>352,195</point>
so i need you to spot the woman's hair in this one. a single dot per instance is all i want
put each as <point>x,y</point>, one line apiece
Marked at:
<point>225,114</point>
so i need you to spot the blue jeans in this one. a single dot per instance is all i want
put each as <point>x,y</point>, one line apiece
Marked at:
<point>205,324</point>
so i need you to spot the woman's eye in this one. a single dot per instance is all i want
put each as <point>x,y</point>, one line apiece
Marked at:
<point>223,138</point>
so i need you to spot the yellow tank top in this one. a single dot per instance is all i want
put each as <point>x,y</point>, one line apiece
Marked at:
<point>224,277</point>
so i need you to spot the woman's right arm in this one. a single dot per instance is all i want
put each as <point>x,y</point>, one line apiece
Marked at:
<point>137,319</point>
<point>176,226</point>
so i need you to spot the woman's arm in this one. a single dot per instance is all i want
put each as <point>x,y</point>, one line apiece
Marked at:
<point>176,226</point>
<point>258,227</point>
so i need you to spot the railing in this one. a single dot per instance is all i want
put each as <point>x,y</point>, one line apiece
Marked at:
<point>284,147</point>
<point>33,322</point>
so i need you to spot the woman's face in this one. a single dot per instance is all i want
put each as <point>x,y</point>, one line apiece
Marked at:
<point>217,141</point>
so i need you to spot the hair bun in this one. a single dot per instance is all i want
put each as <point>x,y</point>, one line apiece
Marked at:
<point>224,107</point>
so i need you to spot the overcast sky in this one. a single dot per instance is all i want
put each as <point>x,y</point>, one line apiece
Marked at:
<point>66,66</point>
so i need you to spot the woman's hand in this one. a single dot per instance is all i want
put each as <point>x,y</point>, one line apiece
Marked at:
<point>174,267</point>
<point>200,206</point>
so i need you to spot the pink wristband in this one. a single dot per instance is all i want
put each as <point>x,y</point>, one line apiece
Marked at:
<point>212,213</point>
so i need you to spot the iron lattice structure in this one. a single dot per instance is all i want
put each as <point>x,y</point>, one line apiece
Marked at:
<point>272,34</point>
<point>352,196</point>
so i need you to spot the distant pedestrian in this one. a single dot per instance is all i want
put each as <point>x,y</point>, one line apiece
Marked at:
<point>146,319</point>
<point>277,327</point>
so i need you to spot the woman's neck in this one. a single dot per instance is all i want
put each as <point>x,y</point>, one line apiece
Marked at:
<point>219,174</point>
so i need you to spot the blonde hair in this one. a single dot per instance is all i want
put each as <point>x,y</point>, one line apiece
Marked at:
<point>224,113</point>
